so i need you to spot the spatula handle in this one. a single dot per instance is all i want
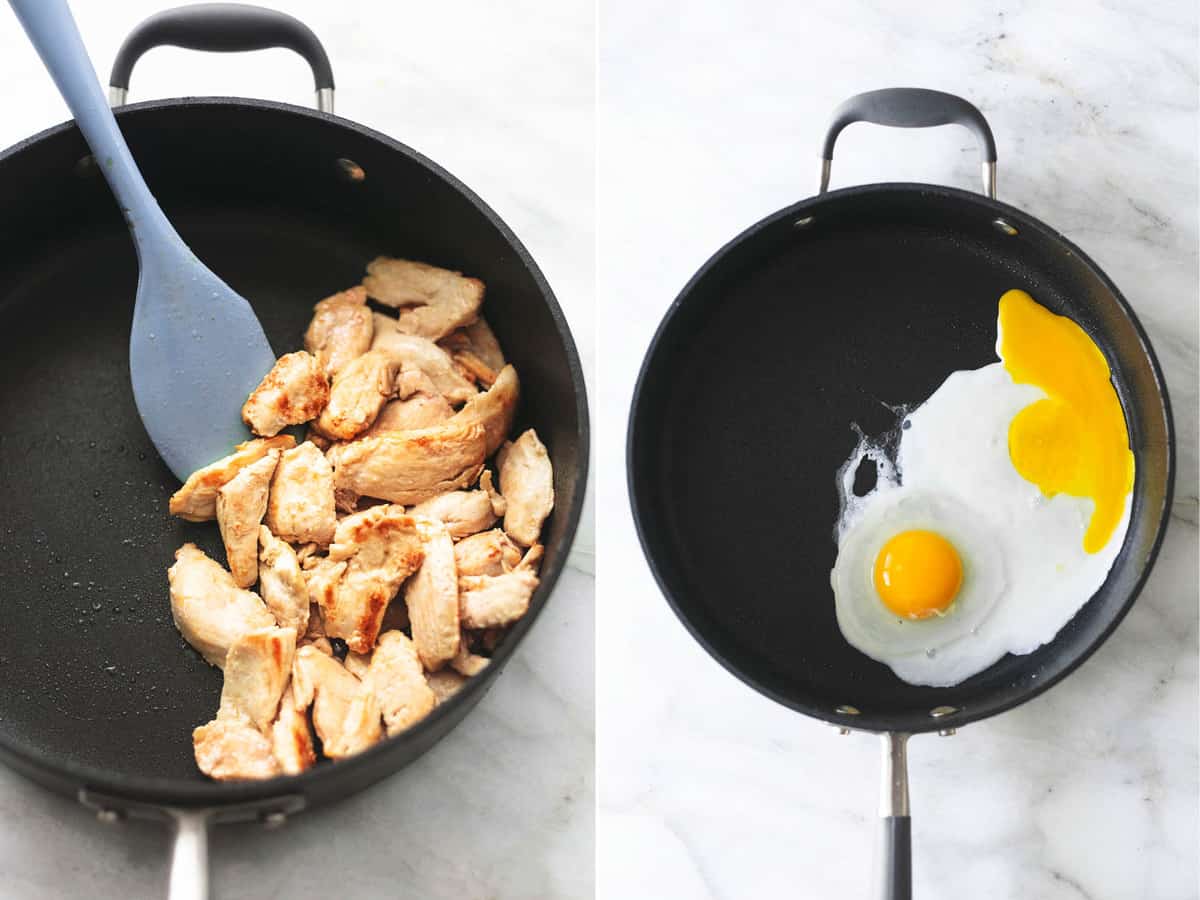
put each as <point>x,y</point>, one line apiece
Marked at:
<point>52,31</point>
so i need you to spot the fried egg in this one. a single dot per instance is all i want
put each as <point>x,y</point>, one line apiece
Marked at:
<point>1001,513</point>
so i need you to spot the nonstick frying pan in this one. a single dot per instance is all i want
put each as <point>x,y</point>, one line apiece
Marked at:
<point>820,316</point>
<point>286,204</point>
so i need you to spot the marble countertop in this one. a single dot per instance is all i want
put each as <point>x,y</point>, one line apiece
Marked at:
<point>503,98</point>
<point>711,121</point>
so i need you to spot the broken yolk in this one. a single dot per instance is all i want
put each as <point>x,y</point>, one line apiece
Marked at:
<point>1074,441</point>
<point>918,574</point>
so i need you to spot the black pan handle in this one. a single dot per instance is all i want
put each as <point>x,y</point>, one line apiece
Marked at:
<point>222,28</point>
<point>893,856</point>
<point>912,108</point>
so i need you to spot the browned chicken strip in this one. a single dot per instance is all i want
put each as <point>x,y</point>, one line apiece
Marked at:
<point>527,482</point>
<point>359,391</point>
<point>444,683</point>
<point>294,391</point>
<point>411,414</point>
<point>346,718</point>
<point>301,507</point>
<point>230,748</point>
<point>409,466</point>
<point>196,500</point>
<point>432,301</point>
<point>478,339</point>
<point>209,609</point>
<point>281,582</point>
<point>291,737</point>
<point>494,408</point>
<point>488,601</point>
<point>499,504</point>
<point>462,512</point>
<point>467,663</point>
<point>488,553</point>
<point>340,330</point>
<point>380,547</point>
<point>397,682</point>
<point>431,596</point>
<point>415,352</point>
<point>241,504</point>
<point>256,670</point>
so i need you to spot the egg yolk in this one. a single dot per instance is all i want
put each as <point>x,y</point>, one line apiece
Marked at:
<point>918,574</point>
<point>1074,441</point>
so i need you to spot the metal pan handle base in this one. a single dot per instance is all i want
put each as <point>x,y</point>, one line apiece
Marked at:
<point>189,856</point>
<point>893,855</point>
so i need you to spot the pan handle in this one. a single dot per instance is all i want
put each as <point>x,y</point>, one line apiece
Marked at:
<point>189,855</point>
<point>893,858</point>
<point>912,108</point>
<point>222,28</point>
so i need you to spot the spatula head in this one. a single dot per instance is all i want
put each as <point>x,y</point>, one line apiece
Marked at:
<point>196,351</point>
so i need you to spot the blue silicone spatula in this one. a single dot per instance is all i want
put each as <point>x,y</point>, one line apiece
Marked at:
<point>196,349</point>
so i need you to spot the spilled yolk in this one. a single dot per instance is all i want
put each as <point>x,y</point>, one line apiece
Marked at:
<point>918,574</point>
<point>1074,441</point>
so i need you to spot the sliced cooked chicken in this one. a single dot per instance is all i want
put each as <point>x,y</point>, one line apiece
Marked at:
<point>359,391</point>
<point>527,482</point>
<point>475,367</point>
<point>301,507</point>
<point>342,710</point>
<point>241,504</point>
<point>357,664</point>
<point>444,683</point>
<point>409,466</point>
<point>467,663</point>
<point>256,670</point>
<point>488,553</point>
<point>499,504</point>
<point>230,748</point>
<point>380,547</point>
<point>416,352</point>
<point>196,500</point>
<point>432,301</point>
<point>294,391</point>
<point>432,598</point>
<point>462,512</point>
<point>322,581</point>
<point>494,408</point>
<point>488,601</point>
<point>341,330</point>
<point>291,737</point>
<point>282,583</point>
<point>481,341</point>
<point>397,682</point>
<point>209,609</point>
<point>414,412</point>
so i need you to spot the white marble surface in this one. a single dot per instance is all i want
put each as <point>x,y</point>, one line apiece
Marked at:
<point>711,120</point>
<point>503,808</point>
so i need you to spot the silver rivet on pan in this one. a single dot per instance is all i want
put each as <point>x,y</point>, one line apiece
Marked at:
<point>848,710</point>
<point>351,171</point>
<point>1004,227</point>
<point>939,711</point>
<point>841,729</point>
<point>803,223</point>
<point>108,816</point>
<point>274,820</point>
<point>948,732</point>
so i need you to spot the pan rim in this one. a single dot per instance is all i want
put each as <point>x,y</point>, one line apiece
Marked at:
<point>172,792</point>
<point>866,721</point>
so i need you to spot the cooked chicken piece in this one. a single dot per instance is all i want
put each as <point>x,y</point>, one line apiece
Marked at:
<point>415,352</point>
<point>409,466</point>
<point>309,554</point>
<point>413,413</point>
<point>475,367</point>
<point>432,598</point>
<point>341,330</point>
<point>301,507</point>
<point>291,737</point>
<point>379,547</point>
<point>462,512</point>
<point>210,610</point>
<point>527,482</point>
<point>487,601</point>
<point>294,391</point>
<point>481,342</point>
<point>346,717</point>
<point>397,682</point>
<point>494,409</point>
<point>358,394</point>
<point>467,663</point>
<point>357,664</point>
<point>256,670</point>
<point>488,553</point>
<point>283,586</point>
<point>230,748</point>
<point>499,504</point>
<point>433,301</point>
<point>196,501</point>
<point>444,683</point>
<point>241,504</point>
<point>322,581</point>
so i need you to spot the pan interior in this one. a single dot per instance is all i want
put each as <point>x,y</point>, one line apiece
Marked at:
<point>95,673</point>
<point>788,338</point>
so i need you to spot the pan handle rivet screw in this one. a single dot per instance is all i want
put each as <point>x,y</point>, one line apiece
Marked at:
<point>108,816</point>
<point>848,710</point>
<point>938,711</point>
<point>1003,227</point>
<point>841,729</point>
<point>274,820</point>
<point>948,732</point>
<point>351,171</point>
<point>803,223</point>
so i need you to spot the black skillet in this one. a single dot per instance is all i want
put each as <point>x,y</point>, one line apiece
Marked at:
<point>811,320</point>
<point>287,205</point>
